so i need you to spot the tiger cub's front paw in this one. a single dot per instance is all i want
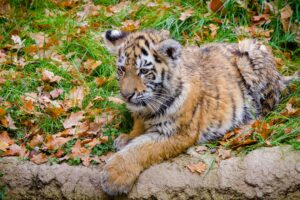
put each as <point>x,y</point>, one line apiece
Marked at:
<point>117,176</point>
<point>121,141</point>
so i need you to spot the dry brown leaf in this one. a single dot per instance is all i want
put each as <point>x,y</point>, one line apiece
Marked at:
<point>215,5</point>
<point>50,77</point>
<point>81,152</point>
<point>262,128</point>
<point>73,120</point>
<point>76,96</point>
<point>89,66</point>
<point>55,112</point>
<point>198,167</point>
<point>55,93</point>
<point>186,14</point>
<point>16,150</point>
<point>3,145</point>
<point>201,149</point>
<point>130,25</point>
<point>36,140</point>
<point>55,142</point>
<point>287,130</point>
<point>115,100</point>
<point>17,41</point>
<point>4,137</point>
<point>262,17</point>
<point>285,16</point>
<point>28,105</point>
<point>40,39</point>
<point>39,158</point>
<point>9,122</point>
<point>213,28</point>
<point>292,107</point>
<point>59,153</point>
<point>117,8</point>
<point>93,143</point>
<point>2,112</point>
<point>104,139</point>
<point>223,153</point>
<point>298,138</point>
<point>101,81</point>
<point>94,128</point>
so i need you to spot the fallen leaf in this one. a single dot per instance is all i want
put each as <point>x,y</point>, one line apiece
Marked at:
<point>2,112</point>
<point>186,14</point>
<point>223,153</point>
<point>10,122</point>
<point>17,41</point>
<point>50,77</point>
<point>55,142</point>
<point>201,149</point>
<point>59,153</point>
<point>104,139</point>
<point>213,28</point>
<point>261,19</point>
<point>81,152</point>
<point>28,105</point>
<point>76,96</point>
<point>16,150</point>
<point>298,138</point>
<point>40,39</point>
<point>198,167</point>
<point>55,93</point>
<point>215,5</point>
<point>117,8</point>
<point>73,120</point>
<point>89,66</point>
<point>39,158</point>
<point>115,100</point>
<point>285,15</point>
<point>287,130</point>
<point>36,140</point>
<point>55,112</point>
<point>4,137</point>
<point>130,25</point>
<point>94,142</point>
<point>3,145</point>
<point>101,81</point>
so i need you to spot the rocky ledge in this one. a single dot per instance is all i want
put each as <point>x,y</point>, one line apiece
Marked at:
<point>266,173</point>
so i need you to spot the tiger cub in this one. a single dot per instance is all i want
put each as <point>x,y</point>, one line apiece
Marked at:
<point>179,96</point>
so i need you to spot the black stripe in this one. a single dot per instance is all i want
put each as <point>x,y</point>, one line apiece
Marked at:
<point>144,52</point>
<point>163,108</point>
<point>234,110</point>
<point>162,75</point>
<point>147,43</point>
<point>147,64</point>
<point>156,58</point>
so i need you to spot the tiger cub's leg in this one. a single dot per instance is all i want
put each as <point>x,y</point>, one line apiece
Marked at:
<point>124,167</point>
<point>123,139</point>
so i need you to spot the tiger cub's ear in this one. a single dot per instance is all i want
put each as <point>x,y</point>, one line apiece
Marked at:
<point>170,49</point>
<point>114,39</point>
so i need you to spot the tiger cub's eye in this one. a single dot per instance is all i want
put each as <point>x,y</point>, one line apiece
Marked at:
<point>144,71</point>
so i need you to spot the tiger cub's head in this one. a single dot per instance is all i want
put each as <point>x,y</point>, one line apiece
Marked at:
<point>148,65</point>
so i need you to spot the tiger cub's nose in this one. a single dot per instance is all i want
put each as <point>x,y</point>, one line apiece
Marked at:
<point>127,95</point>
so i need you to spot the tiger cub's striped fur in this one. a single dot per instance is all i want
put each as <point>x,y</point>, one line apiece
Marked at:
<point>179,96</point>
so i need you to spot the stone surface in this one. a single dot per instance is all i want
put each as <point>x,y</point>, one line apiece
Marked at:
<point>266,173</point>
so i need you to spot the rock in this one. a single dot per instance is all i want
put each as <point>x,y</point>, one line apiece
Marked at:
<point>266,173</point>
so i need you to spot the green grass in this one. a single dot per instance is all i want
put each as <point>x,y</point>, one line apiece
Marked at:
<point>27,17</point>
